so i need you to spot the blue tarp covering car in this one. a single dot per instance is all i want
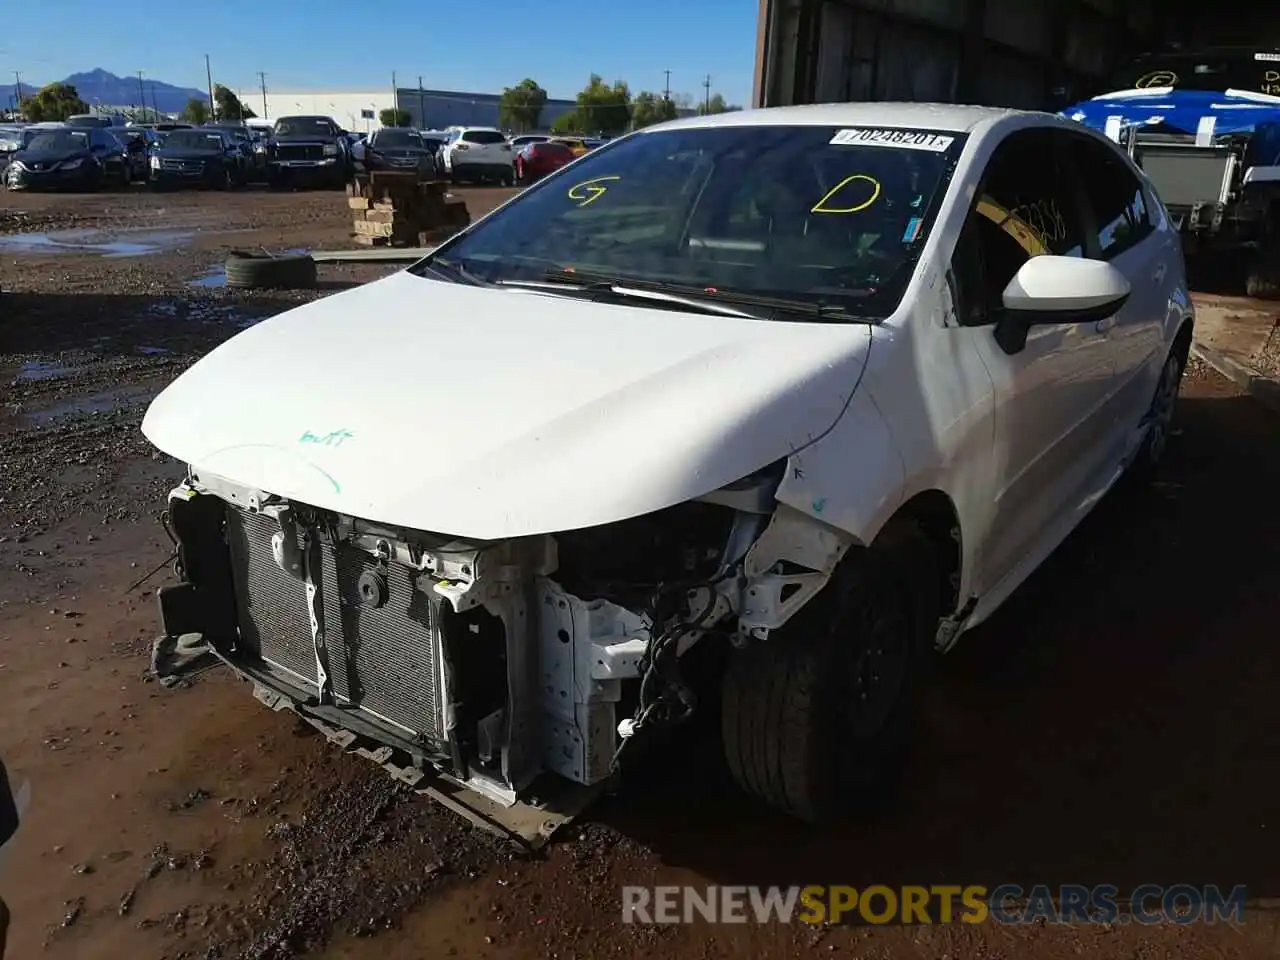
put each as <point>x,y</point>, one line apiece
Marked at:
<point>1213,157</point>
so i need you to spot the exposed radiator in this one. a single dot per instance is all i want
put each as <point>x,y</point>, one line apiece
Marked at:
<point>381,659</point>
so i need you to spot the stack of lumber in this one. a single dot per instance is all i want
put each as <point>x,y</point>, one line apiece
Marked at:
<point>396,209</point>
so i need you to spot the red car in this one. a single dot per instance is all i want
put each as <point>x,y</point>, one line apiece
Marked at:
<point>536,160</point>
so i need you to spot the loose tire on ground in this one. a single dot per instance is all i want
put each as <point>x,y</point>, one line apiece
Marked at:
<point>248,270</point>
<point>1264,276</point>
<point>797,730</point>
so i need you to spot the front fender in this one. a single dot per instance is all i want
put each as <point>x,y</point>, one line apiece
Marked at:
<point>852,477</point>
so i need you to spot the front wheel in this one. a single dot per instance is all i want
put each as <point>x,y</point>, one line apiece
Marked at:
<point>815,716</point>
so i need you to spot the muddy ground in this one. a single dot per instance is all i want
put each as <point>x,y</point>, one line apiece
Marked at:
<point>1117,723</point>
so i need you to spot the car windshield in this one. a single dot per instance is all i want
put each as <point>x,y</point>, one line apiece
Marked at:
<point>60,140</point>
<point>193,140</point>
<point>484,137</point>
<point>1255,72</point>
<point>395,139</point>
<point>303,127</point>
<point>834,217</point>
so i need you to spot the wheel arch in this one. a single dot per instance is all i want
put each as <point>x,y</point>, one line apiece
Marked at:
<point>1182,339</point>
<point>934,514</point>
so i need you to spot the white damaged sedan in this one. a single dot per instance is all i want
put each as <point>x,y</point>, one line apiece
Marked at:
<point>758,410</point>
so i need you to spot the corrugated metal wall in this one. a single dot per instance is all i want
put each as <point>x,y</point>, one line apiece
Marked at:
<point>1021,53</point>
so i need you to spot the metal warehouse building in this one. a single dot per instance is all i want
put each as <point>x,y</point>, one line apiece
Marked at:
<point>437,109</point>
<point>1018,53</point>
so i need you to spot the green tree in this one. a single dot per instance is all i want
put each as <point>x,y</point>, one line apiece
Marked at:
<point>196,111</point>
<point>520,107</point>
<point>394,117</point>
<point>228,105</point>
<point>57,101</point>
<point>603,108</point>
<point>567,123</point>
<point>650,108</point>
<point>716,104</point>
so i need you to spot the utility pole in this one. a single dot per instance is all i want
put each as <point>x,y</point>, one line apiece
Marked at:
<point>706,94</point>
<point>18,79</point>
<point>240,103</point>
<point>422,110</point>
<point>666,89</point>
<point>208,75</point>
<point>262,77</point>
<point>395,95</point>
<point>142,96</point>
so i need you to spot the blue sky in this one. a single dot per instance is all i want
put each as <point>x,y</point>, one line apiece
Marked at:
<point>337,44</point>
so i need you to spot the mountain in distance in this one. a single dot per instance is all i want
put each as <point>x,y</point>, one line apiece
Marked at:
<point>105,88</point>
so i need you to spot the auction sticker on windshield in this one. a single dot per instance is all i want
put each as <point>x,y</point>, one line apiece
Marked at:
<point>911,139</point>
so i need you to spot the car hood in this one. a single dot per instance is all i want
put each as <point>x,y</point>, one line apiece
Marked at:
<point>49,156</point>
<point>491,413</point>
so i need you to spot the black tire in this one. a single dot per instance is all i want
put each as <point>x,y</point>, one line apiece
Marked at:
<point>246,270</point>
<point>227,180</point>
<point>1164,402</point>
<point>1263,281</point>
<point>509,179</point>
<point>790,737</point>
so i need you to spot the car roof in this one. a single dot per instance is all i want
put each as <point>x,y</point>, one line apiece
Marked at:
<point>953,118</point>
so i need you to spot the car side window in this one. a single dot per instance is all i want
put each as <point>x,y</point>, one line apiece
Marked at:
<point>1117,197</point>
<point>1026,206</point>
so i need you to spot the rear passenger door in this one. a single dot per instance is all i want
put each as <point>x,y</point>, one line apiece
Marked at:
<point>1121,229</point>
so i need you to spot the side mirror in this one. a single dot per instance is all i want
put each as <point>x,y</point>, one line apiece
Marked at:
<point>1053,289</point>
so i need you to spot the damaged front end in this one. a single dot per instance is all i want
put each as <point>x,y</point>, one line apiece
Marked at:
<point>501,677</point>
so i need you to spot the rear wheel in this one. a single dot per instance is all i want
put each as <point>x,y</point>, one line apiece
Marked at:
<point>818,714</point>
<point>1160,417</point>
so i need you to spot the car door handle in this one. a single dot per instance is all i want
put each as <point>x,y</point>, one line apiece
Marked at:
<point>1158,276</point>
<point>1106,323</point>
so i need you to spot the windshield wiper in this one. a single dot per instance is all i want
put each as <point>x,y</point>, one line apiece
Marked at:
<point>626,290</point>
<point>441,264</point>
<point>724,300</point>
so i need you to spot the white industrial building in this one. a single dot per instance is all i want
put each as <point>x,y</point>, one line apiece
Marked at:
<point>356,110</point>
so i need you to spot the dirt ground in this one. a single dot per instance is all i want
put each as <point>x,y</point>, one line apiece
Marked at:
<point>1117,723</point>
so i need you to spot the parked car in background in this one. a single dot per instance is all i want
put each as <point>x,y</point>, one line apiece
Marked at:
<point>254,151</point>
<point>435,141</point>
<point>87,120</point>
<point>140,144</point>
<point>169,126</point>
<point>201,157</point>
<point>13,139</point>
<point>522,140</point>
<point>69,159</point>
<point>308,151</point>
<point>577,145</point>
<point>476,154</point>
<point>536,160</point>
<point>392,148</point>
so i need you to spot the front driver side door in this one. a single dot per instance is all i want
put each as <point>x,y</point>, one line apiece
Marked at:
<point>1045,446</point>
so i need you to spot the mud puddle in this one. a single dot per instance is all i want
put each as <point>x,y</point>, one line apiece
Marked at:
<point>122,243</point>
<point>95,404</point>
<point>212,279</point>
